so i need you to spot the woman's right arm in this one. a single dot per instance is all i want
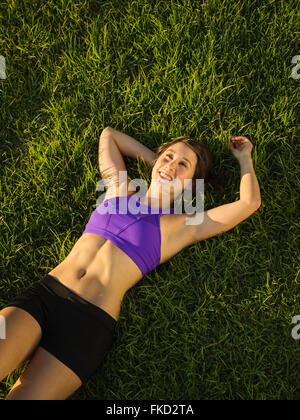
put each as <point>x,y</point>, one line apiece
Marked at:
<point>130,147</point>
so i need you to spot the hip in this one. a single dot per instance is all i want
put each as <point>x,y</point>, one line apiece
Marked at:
<point>74,331</point>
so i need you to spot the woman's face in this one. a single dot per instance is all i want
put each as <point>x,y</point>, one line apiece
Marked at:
<point>178,163</point>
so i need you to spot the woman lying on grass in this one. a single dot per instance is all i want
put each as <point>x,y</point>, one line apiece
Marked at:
<point>64,324</point>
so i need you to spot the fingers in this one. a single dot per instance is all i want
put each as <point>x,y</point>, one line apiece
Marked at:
<point>238,141</point>
<point>238,138</point>
<point>235,142</point>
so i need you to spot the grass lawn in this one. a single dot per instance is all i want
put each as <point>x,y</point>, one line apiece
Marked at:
<point>215,321</point>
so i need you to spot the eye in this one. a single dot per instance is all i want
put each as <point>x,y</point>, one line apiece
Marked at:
<point>182,163</point>
<point>169,156</point>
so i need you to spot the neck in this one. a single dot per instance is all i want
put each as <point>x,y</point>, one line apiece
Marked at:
<point>157,200</point>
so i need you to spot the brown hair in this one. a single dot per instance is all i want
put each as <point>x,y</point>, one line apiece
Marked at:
<point>204,162</point>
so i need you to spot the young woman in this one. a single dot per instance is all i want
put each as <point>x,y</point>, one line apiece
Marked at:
<point>64,324</point>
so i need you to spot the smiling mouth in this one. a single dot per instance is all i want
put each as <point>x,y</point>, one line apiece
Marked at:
<point>165,177</point>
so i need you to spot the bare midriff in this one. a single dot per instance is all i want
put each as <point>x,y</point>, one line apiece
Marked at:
<point>100,272</point>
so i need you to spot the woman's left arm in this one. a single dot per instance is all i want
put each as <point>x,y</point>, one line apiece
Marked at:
<point>249,188</point>
<point>130,147</point>
<point>241,149</point>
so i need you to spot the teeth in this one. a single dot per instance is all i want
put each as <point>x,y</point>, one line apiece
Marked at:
<point>165,176</point>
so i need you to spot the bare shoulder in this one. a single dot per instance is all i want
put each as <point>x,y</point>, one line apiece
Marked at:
<point>118,192</point>
<point>176,234</point>
<point>182,230</point>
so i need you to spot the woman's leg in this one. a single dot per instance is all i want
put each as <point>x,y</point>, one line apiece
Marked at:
<point>45,378</point>
<point>22,336</point>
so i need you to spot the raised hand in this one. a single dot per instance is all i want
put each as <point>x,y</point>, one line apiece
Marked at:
<point>240,147</point>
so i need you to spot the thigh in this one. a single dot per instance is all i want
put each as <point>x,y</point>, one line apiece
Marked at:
<point>45,378</point>
<point>22,336</point>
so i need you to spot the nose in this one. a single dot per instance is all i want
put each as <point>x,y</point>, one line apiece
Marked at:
<point>171,166</point>
<point>170,170</point>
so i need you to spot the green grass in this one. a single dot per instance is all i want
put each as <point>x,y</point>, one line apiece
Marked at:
<point>214,322</point>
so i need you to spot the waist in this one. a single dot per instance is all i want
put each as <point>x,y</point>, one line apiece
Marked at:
<point>98,271</point>
<point>54,286</point>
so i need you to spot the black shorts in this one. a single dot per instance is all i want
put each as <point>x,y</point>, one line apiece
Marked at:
<point>74,330</point>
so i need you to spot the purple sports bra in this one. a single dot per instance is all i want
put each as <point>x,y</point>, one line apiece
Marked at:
<point>133,226</point>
